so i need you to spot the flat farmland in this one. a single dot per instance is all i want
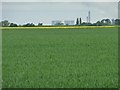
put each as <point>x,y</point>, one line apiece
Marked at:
<point>60,58</point>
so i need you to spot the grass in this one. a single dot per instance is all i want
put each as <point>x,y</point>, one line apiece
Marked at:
<point>60,58</point>
<point>0,58</point>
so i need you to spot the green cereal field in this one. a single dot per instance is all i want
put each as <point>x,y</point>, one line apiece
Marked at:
<point>60,58</point>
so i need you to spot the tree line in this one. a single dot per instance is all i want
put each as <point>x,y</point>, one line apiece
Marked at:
<point>103,22</point>
<point>6,23</point>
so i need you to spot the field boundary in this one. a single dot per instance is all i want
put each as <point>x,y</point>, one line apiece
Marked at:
<point>44,27</point>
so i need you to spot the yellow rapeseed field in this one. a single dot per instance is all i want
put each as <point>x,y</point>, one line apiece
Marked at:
<point>61,27</point>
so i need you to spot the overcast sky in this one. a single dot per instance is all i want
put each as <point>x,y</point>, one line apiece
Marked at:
<point>59,0</point>
<point>23,12</point>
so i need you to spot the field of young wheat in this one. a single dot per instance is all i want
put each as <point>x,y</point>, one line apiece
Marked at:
<point>60,57</point>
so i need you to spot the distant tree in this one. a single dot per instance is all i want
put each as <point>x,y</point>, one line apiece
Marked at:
<point>13,25</point>
<point>80,21</point>
<point>105,22</point>
<point>77,21</point>
<point>29,25</point>
<point>39,24</point>
<point>98,23</point>
<point>117,21</point>
<point>113,22</point>
<point>84,24</point>
<point>32,25</point>
<point>5,23</point>
<point>108,22</point>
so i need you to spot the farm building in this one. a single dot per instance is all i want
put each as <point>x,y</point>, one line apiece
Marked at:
<point>69,22</point>
<point>56,22</point>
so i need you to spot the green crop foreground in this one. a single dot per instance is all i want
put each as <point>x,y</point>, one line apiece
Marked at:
<point>60,58</point>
